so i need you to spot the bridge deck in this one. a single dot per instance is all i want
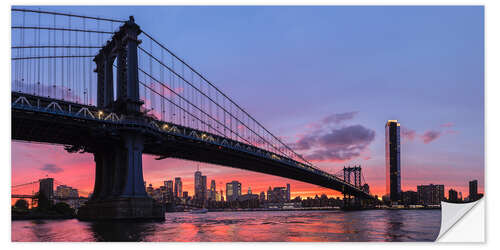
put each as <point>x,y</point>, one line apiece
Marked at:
<point>40,119</point>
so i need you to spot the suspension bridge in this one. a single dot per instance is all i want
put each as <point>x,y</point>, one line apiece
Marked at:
<point>107,87</point>
<point>21,191</point>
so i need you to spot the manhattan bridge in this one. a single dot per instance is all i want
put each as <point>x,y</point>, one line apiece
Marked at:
<point>109,88</point>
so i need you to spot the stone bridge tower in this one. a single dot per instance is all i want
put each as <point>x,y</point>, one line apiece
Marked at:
<point>119,191</point>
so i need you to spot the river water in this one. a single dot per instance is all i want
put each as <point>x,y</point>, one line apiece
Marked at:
<point>368,225</point>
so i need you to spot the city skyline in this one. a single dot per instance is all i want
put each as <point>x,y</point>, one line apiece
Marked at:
<point>441,146</point>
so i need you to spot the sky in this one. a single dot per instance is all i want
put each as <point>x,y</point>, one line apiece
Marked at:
<point>326,79</point>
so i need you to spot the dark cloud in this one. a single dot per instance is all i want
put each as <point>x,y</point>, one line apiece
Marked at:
<point>430,136</point>
<point>338,118</point>
<point>336,144</point>
<point>51,168</point>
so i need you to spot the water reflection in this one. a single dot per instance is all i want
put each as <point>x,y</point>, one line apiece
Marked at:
<point>371,225</point>
<point>122,231</point>
<point>394,225</point>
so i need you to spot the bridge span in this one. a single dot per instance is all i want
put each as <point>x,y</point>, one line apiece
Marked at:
<point>140,98</point>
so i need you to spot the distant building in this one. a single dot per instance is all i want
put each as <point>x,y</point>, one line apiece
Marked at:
<point>393,160</point>
<point>233,190</point>
<point>185,194</point>
<point>288,192</point>
<point>47,188</point>
<point>150,190</point>
<point>169,190</point>
<point>213,191</point>
<point>278,195</point>
<point>473,195</point>
<point>197,185</point>
<point>409,197</point>
<point>249,201</point>
<point>262,197</point>
<point>68,195</point>
<point>204,188</point>
<point>200,187</point>
<point>218,196</point>
<point>178,187</point>
<point>64,192</point>
<point>452,195</point>
<point>430,194</point>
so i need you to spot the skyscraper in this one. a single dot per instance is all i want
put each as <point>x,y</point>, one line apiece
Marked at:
<point>213,190</point>
<point>178,187</point>
<point>197,185</point>
<point>392,160</point>
<point>204,188</point>
<point>233,190</point>
<point>473,190</point>
<point>169,189</point>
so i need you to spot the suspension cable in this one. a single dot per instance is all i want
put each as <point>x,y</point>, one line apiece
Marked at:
<point>214,102</point>
<point>70,15</point>
<point>201,76</point>
<point>63,29</point>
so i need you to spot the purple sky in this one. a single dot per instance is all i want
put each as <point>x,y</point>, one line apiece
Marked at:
<point>326,79</point>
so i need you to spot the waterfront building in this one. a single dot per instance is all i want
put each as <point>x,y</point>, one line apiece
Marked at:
<point>64,192</point>
<point>393,160</point>
<point>262,197</point>
<point>409,197</point>
<point>233,190</point>
<point>178,187</point>
<point>473,195</point>
<point>278,195</point>
<point>430,194</point>
<point>452,195</point>
<point>68,195</point>
<point>249,200</point>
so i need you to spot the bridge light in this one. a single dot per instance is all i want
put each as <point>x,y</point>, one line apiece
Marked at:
<point>165,126</point>
<point>100,113</point>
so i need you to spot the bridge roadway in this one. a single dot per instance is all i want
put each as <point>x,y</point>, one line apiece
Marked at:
<point>53,121</point>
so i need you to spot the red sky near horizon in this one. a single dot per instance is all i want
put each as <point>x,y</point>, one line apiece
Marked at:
<point>31,162</point>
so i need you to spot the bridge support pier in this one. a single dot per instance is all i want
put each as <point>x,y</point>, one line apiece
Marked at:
<point>119,191</point>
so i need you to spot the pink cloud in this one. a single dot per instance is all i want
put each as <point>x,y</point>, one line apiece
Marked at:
<point>430,136</point>
<point>408,134</point>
